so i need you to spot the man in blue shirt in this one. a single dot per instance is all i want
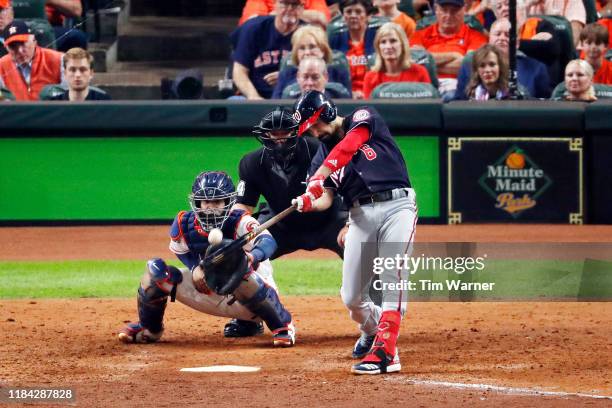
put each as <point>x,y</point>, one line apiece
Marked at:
<point>261,44</point>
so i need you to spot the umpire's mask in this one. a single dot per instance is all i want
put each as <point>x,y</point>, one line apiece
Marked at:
<point>277,131</point>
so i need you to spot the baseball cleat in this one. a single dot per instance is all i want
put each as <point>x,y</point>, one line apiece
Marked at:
<point>285,336</point>
<point>135,333</point>
<point>363,345</point>
<point>378,362</point>
<point>242,328</point>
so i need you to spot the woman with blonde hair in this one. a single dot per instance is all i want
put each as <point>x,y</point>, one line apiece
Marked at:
<point>392,63</point>
<point>579,82</point>
<point>490,73</point>
<point>309,41</point>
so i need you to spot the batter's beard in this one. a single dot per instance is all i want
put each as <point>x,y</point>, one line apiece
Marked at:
<point>330,140</point>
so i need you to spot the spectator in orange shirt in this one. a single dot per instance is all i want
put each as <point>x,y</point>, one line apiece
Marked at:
<point>57,13</point>
<point>388,8</point>
<point>357,42</point>
<point>594,40</point>
<point>315,11</point>
<point>393,63</point>
<point>448,40</point>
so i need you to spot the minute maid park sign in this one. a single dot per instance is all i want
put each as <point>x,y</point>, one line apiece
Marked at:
<point>515,182</point>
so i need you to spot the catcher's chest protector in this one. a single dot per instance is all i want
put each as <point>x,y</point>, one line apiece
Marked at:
<point>197,238</point>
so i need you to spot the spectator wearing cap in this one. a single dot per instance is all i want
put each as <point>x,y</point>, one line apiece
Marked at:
<point>448,40</point>
<point>572,10</point>
<point>531,74</point>
<point>315,11</point>
<point>594,42</point>
<point>6,16</point>
<point>261,44</point>
<point>79,73</point>
<point>27,68</point>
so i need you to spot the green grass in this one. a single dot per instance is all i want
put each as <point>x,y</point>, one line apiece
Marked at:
<point>514,280</point>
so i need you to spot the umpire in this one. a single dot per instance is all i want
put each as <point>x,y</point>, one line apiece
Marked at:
<point>278,172</point>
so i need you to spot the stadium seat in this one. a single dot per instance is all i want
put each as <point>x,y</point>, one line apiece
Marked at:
<point>26,9</point>
<point>43,32</point>
<point>406,6</point>
<point>563,28</point>
<point>404,90</point>
<point>424,58</point>
<point>50,91</point>
<point>338,25</point>
<point>469,19</point>
<point>601,91</point>
<point>5,94</point>
<point>609,55</point>
<point>334,89</point>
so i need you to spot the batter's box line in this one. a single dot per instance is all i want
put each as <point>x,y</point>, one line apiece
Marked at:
<point>497,388</point>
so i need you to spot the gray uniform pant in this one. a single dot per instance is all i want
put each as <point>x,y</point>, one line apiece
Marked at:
<point>385,230</point>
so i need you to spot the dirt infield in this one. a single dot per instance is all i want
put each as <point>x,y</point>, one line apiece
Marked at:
<point>453,354</point>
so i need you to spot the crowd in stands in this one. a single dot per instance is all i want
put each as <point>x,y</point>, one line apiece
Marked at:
<point>467,43</point>
<point>348,48</point>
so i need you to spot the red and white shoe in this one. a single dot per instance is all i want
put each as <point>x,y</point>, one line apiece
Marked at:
<point>378,362</point>
<point>285,336</point>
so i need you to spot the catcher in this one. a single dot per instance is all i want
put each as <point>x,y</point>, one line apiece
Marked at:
<point>241,286</point>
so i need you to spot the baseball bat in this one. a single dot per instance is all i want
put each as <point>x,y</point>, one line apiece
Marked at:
<point>218,256</point>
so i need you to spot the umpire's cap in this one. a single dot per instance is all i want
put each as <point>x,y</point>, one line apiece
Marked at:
<point>312,106</point>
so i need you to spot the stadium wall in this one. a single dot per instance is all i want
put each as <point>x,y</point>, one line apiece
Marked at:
<point>133,162</point>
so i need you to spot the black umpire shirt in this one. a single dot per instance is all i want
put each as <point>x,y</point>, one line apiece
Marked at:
<point>261,175</point>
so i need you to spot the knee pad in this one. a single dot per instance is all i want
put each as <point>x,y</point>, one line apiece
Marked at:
<point>158,282</point>
<point>267,305</point>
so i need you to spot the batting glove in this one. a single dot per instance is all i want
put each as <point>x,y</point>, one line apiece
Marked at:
<point>304,202</point>
<point>315,186</point>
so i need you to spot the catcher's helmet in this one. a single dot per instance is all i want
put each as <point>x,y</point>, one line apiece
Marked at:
<point>277,131</point>
<point>312,106</point>
<point>212,186</point>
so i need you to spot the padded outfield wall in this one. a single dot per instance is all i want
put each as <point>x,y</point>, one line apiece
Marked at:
<point>134,162</point>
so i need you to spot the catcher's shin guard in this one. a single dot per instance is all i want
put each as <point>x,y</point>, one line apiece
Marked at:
<point>266,304</point>
<point>158,282</point>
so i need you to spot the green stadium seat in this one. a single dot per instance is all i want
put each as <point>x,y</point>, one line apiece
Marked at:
<point>609,55</point>
<point>25,9</point>
<point>423,57</point>
<point>42,30</point>
<point>337,25</point>
<point>406,6</point>
<point>50,91</point>
<point>601,91</point>
<point>335,89</point>
<point>563,28</point>
<point>5,94</point>
<point>470,20</point>
<point>405,90</point>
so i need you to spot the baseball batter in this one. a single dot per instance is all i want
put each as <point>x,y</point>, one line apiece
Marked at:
<point>278,171</point>
<point>240,287</point>
<point>361,161</point>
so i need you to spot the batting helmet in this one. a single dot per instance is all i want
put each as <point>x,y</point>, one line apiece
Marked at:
<point>212,186</point>
<point>312,106</point>
<point>277,131</point>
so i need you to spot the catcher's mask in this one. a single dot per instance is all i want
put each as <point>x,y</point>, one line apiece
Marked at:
<point>277,132</point>
<point>208,188</point>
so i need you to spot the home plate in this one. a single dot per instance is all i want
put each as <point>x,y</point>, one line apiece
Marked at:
<point>221,369</point>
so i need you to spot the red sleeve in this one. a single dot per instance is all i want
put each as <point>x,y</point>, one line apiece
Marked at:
<point>476,40</point>
<point>370,80</point>
<point>344,151</point>
<point>417,37</point>
<point>318,5</point>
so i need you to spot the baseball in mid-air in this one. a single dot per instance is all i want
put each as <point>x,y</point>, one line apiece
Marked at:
<point>215,236</point>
